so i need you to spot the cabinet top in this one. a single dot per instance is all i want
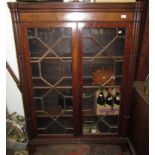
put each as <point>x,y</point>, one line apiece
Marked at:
<point>73,6</point>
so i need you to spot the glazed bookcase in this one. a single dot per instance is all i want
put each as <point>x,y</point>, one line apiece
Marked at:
<point>67,54</point>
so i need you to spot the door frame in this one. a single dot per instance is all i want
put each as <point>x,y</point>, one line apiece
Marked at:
<point>26,81</point>
<point>128,70</point>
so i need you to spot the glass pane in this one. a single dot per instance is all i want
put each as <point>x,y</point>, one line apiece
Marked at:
<point>47,125</point>
<point>67,68</point>
<point>65,82</point>
<point>37,48</point>
<point>103,51</point>
<point>90,47</point>
<point>35,69</point>
<point>39,83</point>
<point>65,46</point>
<point>38,104</point>
<point>40,92</point>
<point>116,48</point>
<point>51,68</point>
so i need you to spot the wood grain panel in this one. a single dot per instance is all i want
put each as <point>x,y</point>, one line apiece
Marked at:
<point>139,125</point>
<point>77,16</point>
<point>143,66</point>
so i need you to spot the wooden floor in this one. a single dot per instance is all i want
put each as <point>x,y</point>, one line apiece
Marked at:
<point>77,149</point>
<point>82,149</point>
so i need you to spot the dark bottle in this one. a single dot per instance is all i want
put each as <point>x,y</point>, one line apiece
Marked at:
<point>61,102</point>
<point>101,98</point>
<point>109,99</point>
<point>117,97</point>
<point>65,102</point>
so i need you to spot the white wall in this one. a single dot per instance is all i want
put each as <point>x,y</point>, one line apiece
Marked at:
<point>10,49</point>
<point>13,96</point>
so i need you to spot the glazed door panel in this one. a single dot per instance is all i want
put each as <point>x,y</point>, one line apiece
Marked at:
<point>77,82</point>
<point>103,50</point>
<point>50,51</point>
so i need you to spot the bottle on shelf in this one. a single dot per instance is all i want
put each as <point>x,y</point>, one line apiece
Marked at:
<point>109,98</point>
<point>117,97</point>
<point>101,98</point>
<point>61,102</point>
<point>65,102</point>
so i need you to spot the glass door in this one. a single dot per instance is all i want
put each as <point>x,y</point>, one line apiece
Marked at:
<point>103,58</point>
<point>50,53</point>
